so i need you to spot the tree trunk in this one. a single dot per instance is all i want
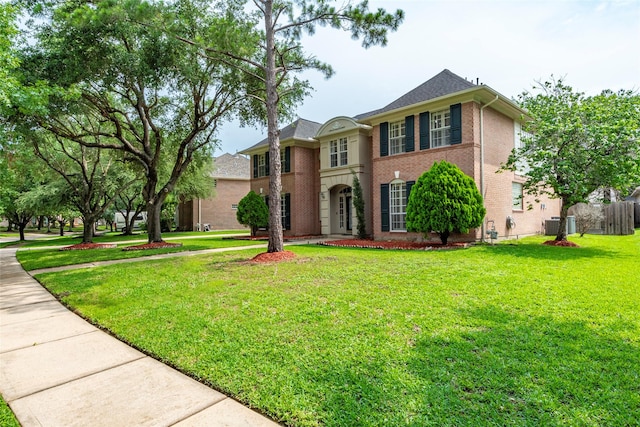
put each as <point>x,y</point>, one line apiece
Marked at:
<point>444,237</point>
<point>87,230</point>
<point>21,228</point>
<point>562,227</point>
<point>276,240</point>
<point>154,232</point>
<point>62,223</point>
<point>40,222</point>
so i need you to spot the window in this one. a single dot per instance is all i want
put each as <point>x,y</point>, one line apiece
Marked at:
<point>234,206</point>
<point>285,211</point>
<point>397,137</point>
<point>441,128</point>
<point>262,165</point>
<point>520,138</point>
<point>398,205</point>
<point>517,196</point>
<point>338,152</point>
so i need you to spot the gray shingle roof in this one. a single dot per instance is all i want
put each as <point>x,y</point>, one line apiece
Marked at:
<point>443,83</point>
<point>300,129</point>
<point>231,166</point>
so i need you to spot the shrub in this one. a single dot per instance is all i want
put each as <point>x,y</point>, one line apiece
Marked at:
<point>587,217</point>
<point>252,212</point>
<point>444,200</point>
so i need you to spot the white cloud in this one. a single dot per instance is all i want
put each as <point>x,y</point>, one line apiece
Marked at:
<point>508,45</point>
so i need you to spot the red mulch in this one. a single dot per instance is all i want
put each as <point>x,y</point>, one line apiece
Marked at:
<point>154,245</point>
<point>561,243</point>
<point>273,256</point>
<point>86,246</point>
<point>391,244</point>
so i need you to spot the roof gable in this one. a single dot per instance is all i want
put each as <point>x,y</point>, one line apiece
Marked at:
<point>231,166</point>
<point>443,83</point>
<point>301,129</point>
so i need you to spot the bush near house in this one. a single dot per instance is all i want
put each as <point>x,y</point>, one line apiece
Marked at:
<point>444,200</point>
<point>253,212</point>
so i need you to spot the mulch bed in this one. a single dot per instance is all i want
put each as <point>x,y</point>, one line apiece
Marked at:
<point>561,243</point>
<point>392,244</point>
<point>274,256</point>
<point>154,245</point>
<point>87,246</point>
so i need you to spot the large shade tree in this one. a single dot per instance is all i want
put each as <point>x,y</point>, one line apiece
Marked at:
<point>147,95</point>
<point>272,70</point>
<point>444,200</point>
<point>575,144</point>
<point>93,177</point>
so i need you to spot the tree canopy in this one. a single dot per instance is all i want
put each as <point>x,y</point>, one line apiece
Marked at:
<point>126,85</point>
<point>573,144</point>
<point>270,71</point>
<point>444,200</point>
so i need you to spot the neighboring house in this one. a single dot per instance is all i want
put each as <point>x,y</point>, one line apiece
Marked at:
<point>445,118</point>
<point>218,212</point>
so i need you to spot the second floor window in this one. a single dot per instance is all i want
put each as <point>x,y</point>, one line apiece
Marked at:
<point>338,152</point>
<point>262,165</point>
<point>397,137</point>
<point>441,128</point>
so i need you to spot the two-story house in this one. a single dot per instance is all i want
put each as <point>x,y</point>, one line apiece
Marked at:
<point>445,118</point>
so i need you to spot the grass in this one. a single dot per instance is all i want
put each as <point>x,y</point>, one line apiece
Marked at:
<point>7,419</point>
<point>34,259</point>
<point>111,237</point>
<point>512,334</point>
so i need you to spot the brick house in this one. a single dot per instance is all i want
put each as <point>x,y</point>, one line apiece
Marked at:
<point>445,118</point>
<point>231,182</point>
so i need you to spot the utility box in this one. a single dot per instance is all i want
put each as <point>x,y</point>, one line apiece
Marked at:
<point>571,224</point>
<point>551,226</point>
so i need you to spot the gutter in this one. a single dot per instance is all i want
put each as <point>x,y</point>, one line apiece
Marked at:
<point>482,230</point>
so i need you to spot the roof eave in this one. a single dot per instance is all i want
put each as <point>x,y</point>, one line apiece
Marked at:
<point>482,94</point>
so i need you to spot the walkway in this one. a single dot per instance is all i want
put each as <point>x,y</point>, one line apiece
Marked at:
<point>56,369</point>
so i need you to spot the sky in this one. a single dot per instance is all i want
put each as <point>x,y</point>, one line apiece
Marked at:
<point>507,45</point>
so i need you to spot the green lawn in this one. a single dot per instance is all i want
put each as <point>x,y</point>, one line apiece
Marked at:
<point>512,334</point>
<point>7,419</point>
<point>34,259</point>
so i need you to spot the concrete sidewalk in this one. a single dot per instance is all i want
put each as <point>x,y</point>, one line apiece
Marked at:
<point>58,370</point>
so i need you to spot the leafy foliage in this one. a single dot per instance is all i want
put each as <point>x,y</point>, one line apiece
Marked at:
<point>444,200</point>
<point>358,204</point>
<point>574,144</point>
<point>252,212</point>
<point>128,86</point>
<point>270,71</point>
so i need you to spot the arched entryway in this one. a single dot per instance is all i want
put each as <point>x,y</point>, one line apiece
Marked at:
<point>341,210</point>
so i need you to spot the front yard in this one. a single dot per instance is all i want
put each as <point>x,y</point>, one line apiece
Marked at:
<point>512,334</point>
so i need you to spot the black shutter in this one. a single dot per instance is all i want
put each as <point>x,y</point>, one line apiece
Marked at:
<point>409,184</point>
<point>266,164</point>
<point>384,206</point>
<point>424,130</point>
<point>287,159</point>
<point>255,165</point>
<point>286,219</point>
<point>456,124</point>
<point>384,139</point>
<point>409,142</point>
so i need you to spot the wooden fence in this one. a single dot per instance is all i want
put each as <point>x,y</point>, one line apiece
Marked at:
<point>620,218</point>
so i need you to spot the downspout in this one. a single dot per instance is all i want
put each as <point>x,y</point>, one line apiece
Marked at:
<point>482,230</point>
<point>199,214</point>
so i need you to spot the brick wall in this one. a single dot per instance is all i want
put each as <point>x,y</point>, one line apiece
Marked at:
<point>499,137</point>
<point>217,211</point>
<point>303,183</point>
